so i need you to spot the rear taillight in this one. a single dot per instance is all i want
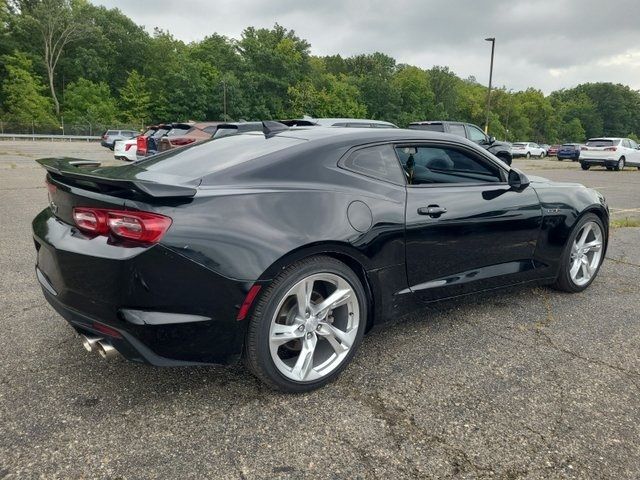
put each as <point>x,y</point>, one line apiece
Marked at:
<point>584,148</point>
<point>610,149</point>
<point>143,227</point>
<point>141,143</point>
<point>128,146</point>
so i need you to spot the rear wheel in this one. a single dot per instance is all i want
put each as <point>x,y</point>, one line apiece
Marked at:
<point>542,155</point>
<point>585,166</point>
<point>620,166</point>
<point>307,325</point>
<point>582,256</point>
<point>528,155</point>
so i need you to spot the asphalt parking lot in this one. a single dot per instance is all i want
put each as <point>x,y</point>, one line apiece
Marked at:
<point>529,383</point>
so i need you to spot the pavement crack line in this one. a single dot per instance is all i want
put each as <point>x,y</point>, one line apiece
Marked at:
<point>616,260</point>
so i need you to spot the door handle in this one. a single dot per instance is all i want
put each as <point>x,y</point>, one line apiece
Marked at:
<point>434,211</point>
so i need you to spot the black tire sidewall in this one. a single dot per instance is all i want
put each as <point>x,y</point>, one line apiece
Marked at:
<point>257,349</point>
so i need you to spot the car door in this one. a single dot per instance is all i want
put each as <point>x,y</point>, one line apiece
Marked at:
<point>466,229</point>
<point>631,152</point>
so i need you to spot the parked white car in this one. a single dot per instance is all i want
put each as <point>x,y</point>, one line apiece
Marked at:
<point>611,152</point>
<point>528,149</point>
<point>126,150</point>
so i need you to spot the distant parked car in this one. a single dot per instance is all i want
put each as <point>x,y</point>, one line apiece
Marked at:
<point>150,144</point>
<point>142,141</point>
<point>111,136</point>
<point>126,150</point>
<point>553,150</point>
<point>187,133</point>
<point>546,148</point>
<point>570,151</point>
<point>612,152</point>
<point>527,149</point>
<point>502,150</point>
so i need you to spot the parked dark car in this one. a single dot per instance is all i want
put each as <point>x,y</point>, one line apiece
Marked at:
<point>569,151</point>
<point>152,141</point>
<point>285,246</point>
<point>110,137</point>
<point>338,122</point>
<point>502,150</point>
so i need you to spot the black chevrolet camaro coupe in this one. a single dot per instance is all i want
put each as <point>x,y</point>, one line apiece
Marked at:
<point>284,247</point>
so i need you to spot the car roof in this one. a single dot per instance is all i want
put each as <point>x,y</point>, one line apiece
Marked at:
<point>331,121</point>
<point>604,138</point>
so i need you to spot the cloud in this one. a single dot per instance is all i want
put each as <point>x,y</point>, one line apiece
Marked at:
<point>546,44</point>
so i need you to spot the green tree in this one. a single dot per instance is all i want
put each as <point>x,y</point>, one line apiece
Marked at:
<point>135,99</point>
<point>23,93</point>
<point>416,97</point>
<point>89,103</point>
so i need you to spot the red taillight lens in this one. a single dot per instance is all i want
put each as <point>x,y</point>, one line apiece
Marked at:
<point>141,143</point>
<point>143,227</point>
<point>610,149</point>
<point>90,220</point>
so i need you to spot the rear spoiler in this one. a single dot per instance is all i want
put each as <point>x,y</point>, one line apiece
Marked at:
<point>71,168</point>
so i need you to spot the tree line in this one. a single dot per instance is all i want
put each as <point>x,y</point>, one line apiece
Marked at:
<point>74,62</point>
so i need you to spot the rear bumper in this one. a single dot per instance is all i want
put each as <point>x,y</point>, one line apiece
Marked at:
<point>568,156</point>
<point>167,309</point>
<point>607,162</point>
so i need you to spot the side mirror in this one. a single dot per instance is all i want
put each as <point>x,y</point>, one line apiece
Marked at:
<point>492,140</point>
<point>518,181</point>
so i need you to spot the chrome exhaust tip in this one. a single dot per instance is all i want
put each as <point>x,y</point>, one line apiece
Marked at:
<point>90,343</point>
<point>106,350</point>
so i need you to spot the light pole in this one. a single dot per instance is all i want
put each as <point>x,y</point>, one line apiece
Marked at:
<point>493,46</point>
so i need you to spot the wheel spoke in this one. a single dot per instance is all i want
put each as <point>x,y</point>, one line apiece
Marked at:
<point>584,235</point>
<point>575,268</point>
<point>336,299</point>
<point>304,364</point>
<point>285,333</point>
<point>593,246</point>
<point>303,297</point>
<point>584,266</point>
<point>330,332</point>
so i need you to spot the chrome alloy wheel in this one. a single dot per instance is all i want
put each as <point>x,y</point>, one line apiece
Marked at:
<point>314,327</point>
<point>586,253</point>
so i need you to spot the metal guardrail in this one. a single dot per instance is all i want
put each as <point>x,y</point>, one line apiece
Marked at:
<point>51,137</point>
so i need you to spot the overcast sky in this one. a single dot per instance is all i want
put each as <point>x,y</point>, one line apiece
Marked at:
<point>547,44</point>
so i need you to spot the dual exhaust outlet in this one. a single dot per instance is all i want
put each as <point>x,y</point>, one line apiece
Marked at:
<point>99,345</point>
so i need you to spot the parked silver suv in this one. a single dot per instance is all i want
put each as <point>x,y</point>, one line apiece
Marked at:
<point>110,137</point>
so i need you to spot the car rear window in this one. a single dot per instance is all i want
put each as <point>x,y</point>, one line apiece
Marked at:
<point>519,144</point>
<point>160,132</point>
<point>432,127</point>
<point>601,142</point>
<point>212,156</point>
<point>112,132</point>
<point>177,131</point>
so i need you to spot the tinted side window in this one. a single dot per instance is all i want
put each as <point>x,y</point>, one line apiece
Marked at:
<point>378,162</point>
<point>433,127</point>
<point>633,144</point>
<point>457,129</point>
<point>476,135</point>
<point>437,165</point>
<point>625,143</point>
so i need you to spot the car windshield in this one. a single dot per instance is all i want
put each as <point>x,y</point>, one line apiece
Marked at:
<point>601,142</point>
<point>225,131</point>
<point>212,156</point>
<point>161,132</point>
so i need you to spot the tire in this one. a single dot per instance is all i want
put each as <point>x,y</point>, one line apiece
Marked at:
<point>542,155</point>
<point>638,168</point>
<point>505,159</point>
<point>275,362</point>
<point>609,168</point>
<point>565,282</point>
<point>528,155</point>
<point>585,166</point>
<point>620,166</point>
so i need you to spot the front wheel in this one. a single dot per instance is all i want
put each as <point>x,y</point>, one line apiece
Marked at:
<point>528,155</point>
<point>585,166</point>
<point>582,256</point>
<point>306,325</point>
<point>620,166</point>
<point>542,155</point>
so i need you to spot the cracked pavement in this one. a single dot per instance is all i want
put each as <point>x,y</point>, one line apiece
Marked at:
<point>525,383</point>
